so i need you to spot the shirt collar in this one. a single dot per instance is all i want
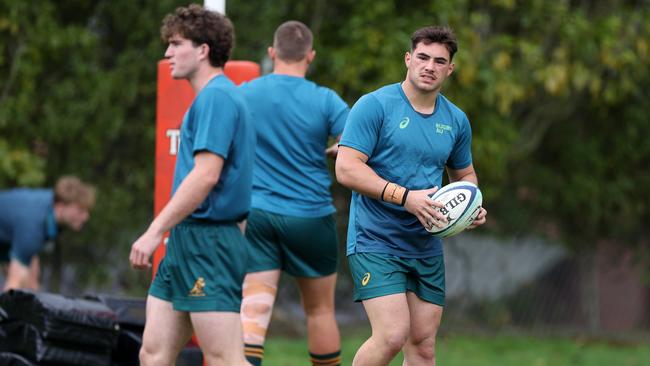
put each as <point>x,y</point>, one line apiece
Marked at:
<point>51,228</point>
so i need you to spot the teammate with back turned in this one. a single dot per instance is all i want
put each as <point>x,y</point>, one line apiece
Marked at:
<point>397,143</point>
<point>291,227</point>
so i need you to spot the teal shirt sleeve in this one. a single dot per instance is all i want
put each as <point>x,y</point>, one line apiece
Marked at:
<point>216,116</point>
<point>461,154</point>
<point>338,114</point>
<point>363,125</point>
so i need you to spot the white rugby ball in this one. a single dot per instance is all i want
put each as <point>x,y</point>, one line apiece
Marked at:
<point>462,202</point>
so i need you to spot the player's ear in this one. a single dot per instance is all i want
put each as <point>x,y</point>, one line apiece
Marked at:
<point>407,58</point>
<point>451,68</point>
<point>204,51</point>
<point>271,52</point>
<point>311,54</point>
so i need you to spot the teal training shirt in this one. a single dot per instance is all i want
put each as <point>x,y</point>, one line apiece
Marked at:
<point>26,222</point>
<point>293,118</point>
<point>219,122</point>
<point>410,149</point>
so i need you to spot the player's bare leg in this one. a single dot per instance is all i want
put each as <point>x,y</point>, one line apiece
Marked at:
<point>259,290</point>
<point>390,323</point>
<point>220,337</point>
<point>166,332</point>
<point>323,338</point>
<point>425,321</point>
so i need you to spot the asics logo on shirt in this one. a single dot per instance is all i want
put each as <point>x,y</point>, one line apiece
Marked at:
<point>405,122</point>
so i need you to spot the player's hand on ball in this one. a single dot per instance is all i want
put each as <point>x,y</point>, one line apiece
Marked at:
<point>424,208</point>
<point>479,220</point>
<point>142,249</point>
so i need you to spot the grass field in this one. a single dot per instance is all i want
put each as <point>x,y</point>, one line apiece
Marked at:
<point>487,351</point>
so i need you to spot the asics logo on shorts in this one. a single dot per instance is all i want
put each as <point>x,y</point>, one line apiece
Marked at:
<point>197,290</point>
<point>405,122</point>
<point>365,279</point>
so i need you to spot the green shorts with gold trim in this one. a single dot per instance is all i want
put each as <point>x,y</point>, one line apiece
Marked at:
<point>301,246</point>
<point>379,274</point>
<point>203,268</point>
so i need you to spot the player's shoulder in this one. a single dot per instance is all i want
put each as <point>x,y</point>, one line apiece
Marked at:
<point>452,108</point>
<point>449,105</point>
<point>253,84</point>
<point>387,91</point>
<point>219,84</point>
<point>379,98</point>
<point>27,202</point>
<point>220,89</point>
<point>27,193</point>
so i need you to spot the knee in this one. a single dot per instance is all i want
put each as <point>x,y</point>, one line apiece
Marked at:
<point>319,309</point>
<point>394,340</point>
<point>254,308</point>
<point>258,299</point>
<point>149,356</point>
<point>425,347</point>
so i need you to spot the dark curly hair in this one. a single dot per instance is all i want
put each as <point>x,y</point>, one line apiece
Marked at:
<point>436,34</point>
<point>202,26</point>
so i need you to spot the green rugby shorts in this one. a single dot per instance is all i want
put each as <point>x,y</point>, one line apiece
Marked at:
<point>302,247</point>
<point>203,268</point>
<point>380,274</point>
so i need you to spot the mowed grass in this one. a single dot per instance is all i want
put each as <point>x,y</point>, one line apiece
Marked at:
<point>456,350</point>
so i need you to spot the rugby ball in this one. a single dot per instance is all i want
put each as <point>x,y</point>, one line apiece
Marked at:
<point>462,203</point>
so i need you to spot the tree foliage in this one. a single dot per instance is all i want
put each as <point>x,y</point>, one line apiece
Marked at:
<point>556,93</point>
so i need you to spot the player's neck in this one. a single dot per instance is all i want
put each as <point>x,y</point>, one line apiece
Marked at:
<point>423,102</point>
<point>58,213</point>
<point>298,69</point>
<point>202,76</point>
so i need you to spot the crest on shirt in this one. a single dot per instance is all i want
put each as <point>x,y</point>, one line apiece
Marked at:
<point>442,128</point>
<point>404,122</point>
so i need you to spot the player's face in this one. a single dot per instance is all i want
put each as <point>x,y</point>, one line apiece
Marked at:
<point>183,57</point>
<point>428,66</point>
<point>75,216</point>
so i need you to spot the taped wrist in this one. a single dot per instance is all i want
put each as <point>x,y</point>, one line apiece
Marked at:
<point>394,193</point>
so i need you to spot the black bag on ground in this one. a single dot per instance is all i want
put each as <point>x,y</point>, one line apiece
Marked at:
<point>129,311</point>
<point>26,340</point>
<point>60,318</point>
<point>131,317</point>
<point>12,359</point>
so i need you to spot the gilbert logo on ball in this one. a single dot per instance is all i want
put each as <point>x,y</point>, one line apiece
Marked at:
<point>462,202</point>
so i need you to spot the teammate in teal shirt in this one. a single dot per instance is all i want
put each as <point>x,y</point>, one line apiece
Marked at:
<point>232,138</point>
<point>291,227</point>
<point>198,285</point>
<point>293,119</point>
<point>397,143</point>
<point>410,149</point>
<point>29,218</point>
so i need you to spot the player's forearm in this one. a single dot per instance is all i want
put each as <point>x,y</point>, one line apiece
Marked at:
<point>359,177</point>
<point>190,194</point>
<point>467,174</point>
<point>17,276</point>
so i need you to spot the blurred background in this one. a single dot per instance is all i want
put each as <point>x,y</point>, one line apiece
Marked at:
<point>556,91</point>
